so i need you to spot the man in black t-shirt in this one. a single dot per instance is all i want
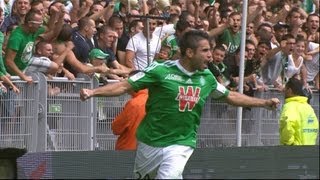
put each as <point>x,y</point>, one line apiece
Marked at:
<point>116,23</point>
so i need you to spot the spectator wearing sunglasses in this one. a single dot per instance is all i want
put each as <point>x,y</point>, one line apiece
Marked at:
<point>21,43</point>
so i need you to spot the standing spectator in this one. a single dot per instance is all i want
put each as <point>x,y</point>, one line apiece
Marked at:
<point>82,39</point>
<point>311,60</point>
<point>41,59</point>
<point>21,8</point>
<point>105,41</point>
<point>250,71</point>
<point>229,34</point>
<point>312,28</point>
<point>22,39</point>
<point>126,123</point>
<point>186,16</point>
<point>136,52</point>
<point>4,76</point>
<point>71,63</point>
<point>116,24</point>
<point>273,71</point>
<point>135,27</point>
<point>20,45</point>
<point>280,29</point>
<point>294,20</point>
<point>298,123</point>
<point>173,40</point>
<point>296,67</point>
<point>177,93</point>
<point>217,66</point>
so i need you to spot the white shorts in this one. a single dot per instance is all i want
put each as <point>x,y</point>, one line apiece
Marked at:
<point>161,162</point>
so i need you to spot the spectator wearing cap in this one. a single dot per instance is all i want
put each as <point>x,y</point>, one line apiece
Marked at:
<point>97,58</point>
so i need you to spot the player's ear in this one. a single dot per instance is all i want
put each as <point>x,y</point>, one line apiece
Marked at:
<point>189,52</point>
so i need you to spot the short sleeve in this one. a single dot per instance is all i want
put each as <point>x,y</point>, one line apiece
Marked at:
<point>147,78</point>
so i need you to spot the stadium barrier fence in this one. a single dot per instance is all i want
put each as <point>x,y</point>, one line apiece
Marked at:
<point>48,115</point>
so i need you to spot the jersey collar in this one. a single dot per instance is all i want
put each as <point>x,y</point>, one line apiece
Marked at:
<point>184,70</point>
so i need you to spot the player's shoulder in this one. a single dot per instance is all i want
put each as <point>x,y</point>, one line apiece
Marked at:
<point>156,65</point>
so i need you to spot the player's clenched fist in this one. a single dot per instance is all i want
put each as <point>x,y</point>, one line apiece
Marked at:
<point>85,94</point>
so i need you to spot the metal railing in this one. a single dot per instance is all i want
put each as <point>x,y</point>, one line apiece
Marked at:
<point>49,116</point>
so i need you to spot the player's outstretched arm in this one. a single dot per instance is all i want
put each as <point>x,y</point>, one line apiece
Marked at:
<point>113,89</point>
<point>238,99</point>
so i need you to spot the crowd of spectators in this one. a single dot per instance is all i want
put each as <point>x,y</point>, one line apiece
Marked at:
<point>56,37</point>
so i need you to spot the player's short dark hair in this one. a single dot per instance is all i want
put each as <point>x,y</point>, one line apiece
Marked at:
<point>191,39</point>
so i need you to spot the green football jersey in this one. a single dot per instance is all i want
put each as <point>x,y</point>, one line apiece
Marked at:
<point>174,106</point>
<point>22,43</point>
<point>232,41</point>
